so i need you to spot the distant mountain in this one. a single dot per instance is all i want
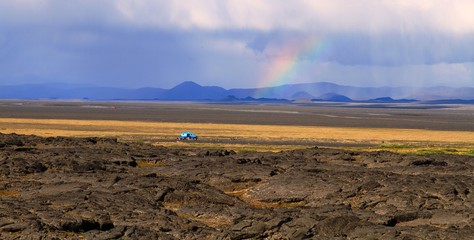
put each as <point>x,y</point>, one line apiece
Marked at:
<point>357,93</point>
<point>382,99</point>
<point>320,88</point>
<point>450,101</point>
<point>390,100</point>
<point>435,93</point>
<point>193,91</point>
<point>332,97</point>
<point>39,91</point>
<point>301,95</point>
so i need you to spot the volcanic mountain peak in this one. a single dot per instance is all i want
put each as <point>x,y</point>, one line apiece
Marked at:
<point>187,85</point>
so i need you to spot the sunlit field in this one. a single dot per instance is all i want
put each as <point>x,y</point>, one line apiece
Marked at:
<point>247,137</point>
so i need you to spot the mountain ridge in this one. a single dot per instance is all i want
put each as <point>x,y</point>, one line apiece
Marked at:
<point>189,90</point>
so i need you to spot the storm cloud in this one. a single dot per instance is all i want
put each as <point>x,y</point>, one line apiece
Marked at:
<point>235,43</point>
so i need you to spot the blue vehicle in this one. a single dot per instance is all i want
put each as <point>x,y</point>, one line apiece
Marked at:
<point>187,136</point>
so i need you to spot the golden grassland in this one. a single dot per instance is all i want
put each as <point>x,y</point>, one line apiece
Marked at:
<point>163,133</point>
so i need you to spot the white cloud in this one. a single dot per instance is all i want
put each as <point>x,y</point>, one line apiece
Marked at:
<point>303,15</point>
<point>261,15</point>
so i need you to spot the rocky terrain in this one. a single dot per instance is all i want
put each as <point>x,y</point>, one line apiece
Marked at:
<point>99,188</point>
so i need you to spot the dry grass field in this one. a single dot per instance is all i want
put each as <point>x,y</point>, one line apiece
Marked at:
<point>247,137</point>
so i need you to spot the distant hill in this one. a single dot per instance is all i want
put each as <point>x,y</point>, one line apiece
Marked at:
<point>301,95</point>
<point>390,100</point>
<point>332,97</point>
<point>193,91</point>
<point>50,91</point>
<point>321,88</point>
<point>450,101</point>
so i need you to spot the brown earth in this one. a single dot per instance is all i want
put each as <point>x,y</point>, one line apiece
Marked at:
<point>100,188</point>
<point>397,116</point>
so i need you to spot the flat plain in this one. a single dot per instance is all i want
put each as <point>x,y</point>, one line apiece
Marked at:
<point>251,126</point>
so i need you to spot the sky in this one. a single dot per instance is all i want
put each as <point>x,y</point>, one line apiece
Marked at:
<point>237,43</point>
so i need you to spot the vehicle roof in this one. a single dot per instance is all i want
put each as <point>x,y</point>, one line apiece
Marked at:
<point>186,133</point>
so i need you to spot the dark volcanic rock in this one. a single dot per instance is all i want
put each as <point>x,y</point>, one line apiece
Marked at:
<point>428,163</point>
<point>100,188</point>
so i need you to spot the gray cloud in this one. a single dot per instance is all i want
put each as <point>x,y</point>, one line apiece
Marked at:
<point>322,16</point>
<point>106,57</point>
<point>235,43</point>
<point>402,49</point>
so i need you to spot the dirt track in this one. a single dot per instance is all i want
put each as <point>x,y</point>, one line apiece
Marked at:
<point>94,188</point>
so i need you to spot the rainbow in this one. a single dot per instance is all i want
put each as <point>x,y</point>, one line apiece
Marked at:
<point>285,67</point>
